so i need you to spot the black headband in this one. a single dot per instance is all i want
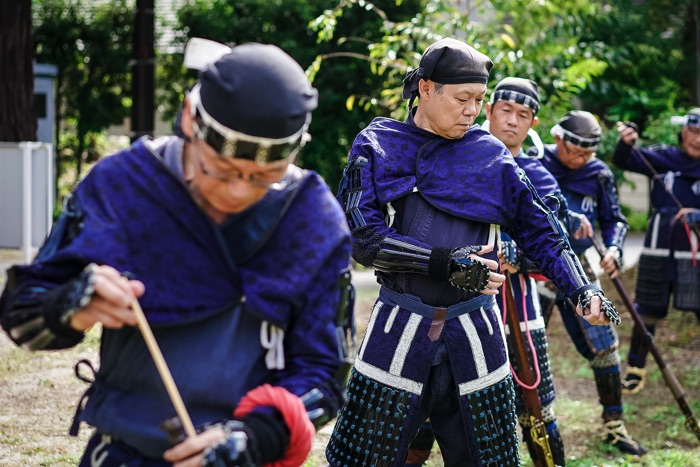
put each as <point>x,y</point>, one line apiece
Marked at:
<point>448,61</point>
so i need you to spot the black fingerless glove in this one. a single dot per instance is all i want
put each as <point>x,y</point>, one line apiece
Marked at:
<point>455,266</point>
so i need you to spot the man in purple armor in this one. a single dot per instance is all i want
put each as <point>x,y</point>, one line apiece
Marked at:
<point>511,116</point>
<point>589,188</point>
<point>668,263</point>
<point>239,260</point>
<point>425,199</point>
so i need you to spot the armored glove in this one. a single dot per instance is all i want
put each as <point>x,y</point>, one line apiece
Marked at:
<point>512,254</point>
<point>456,266</point>
<point>582,297</point>
<point>235,450</point>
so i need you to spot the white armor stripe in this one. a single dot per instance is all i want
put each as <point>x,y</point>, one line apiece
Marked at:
<point>387,378</point>
<point>684,255</point>
<point>390,320</point>
<point>655,231</point>
<point>532,325</point>
<point>655,251</point>
<point>370,326</point>
<point>488,380</point>
<point>486,319</point>
<point>499,320</point>
<point>409,332</point>
<point>474,343</point>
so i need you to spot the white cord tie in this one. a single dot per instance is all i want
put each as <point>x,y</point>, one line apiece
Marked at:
<point>273,341</point>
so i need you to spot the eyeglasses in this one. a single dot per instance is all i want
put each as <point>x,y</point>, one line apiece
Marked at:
<point>268,180</point>
<point>578,152</point>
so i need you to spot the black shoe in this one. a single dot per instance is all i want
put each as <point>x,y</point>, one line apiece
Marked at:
<point>615,434</point>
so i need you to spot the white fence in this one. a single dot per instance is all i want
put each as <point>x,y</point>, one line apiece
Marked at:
<point>26,195</point>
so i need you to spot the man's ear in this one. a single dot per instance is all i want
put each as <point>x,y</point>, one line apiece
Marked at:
<point>423,88</point>
<point>187,118</point>
<point>535,121</point>
<point>487,110</point>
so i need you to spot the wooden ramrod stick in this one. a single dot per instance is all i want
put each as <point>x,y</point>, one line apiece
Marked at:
<point>163,369</point>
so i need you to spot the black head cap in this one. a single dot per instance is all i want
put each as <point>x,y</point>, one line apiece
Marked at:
<point>448,61</point>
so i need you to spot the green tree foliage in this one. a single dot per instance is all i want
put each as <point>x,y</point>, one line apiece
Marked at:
<point>284,23</point>
<point>539,40</point>
<point>620,59</point>
<point>91,46</point>
<point>653,55</point>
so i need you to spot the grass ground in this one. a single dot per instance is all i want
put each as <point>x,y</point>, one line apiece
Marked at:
<point>38,393</point>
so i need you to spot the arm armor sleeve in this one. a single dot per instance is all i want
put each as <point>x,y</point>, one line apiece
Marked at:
<point>562,264</point>
<point>449,264</point>
<point>401,257</point>
<point>570,220</point>
<point>566,254</point>
<point>38,318</point>
<point>612,222</point>
<point>35,313</point>
<point>323,403</point>
<point>350,192</point>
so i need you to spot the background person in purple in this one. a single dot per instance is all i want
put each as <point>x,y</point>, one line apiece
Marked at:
<point>240,263</point>
<point>589,188</point>
<point>425,199</point>
<point>512,115</point>
<point>669,260</point>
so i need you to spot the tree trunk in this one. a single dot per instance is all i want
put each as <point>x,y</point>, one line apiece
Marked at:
<point>17,112</point>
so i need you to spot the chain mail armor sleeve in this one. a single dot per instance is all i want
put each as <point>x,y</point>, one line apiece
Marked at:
<point>612,222</point>
<point>540,235</point>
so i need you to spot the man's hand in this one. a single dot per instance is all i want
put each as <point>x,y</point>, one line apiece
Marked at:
<point>628,134</point>
<point>190,453</point>
<point>110,303</point>
<point>594,314</point>
<point>687,215</point>
<point>585,230</point>
<point>609,264</point>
